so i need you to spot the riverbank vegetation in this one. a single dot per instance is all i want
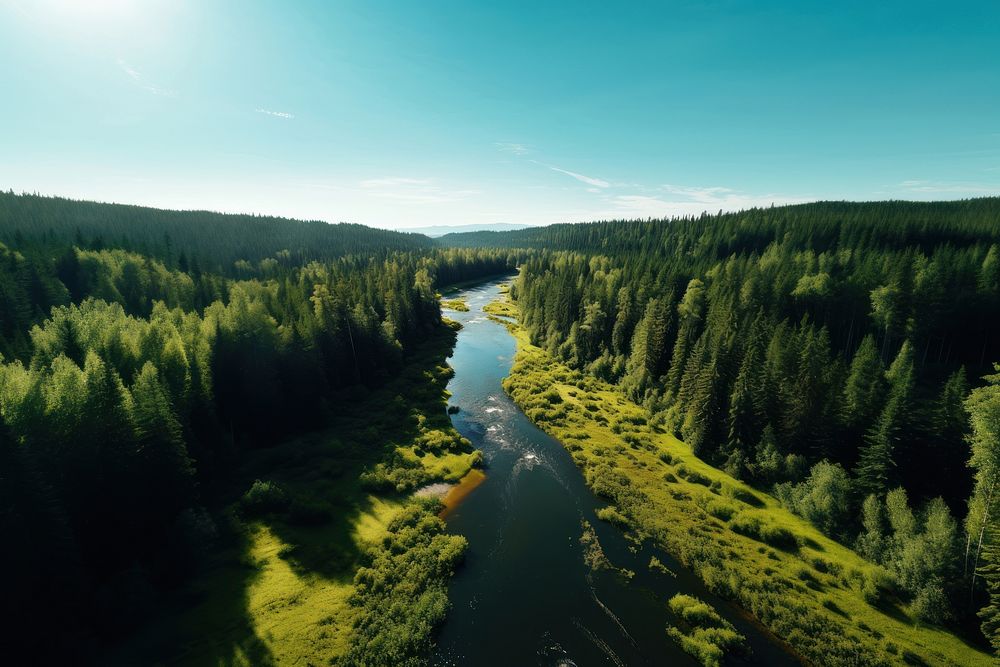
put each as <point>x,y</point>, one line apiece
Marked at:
<point>199,419</point>
<point>702,632</point>
<point>455,304</point>
<point>831,605</point>
<point>822,352</point>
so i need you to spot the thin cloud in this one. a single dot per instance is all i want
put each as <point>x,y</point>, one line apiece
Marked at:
<point>589,180</point>
<point>515,149</point>
<point>140,81</point>
<point>709,195</point>
<point>690,200</point>
<point>277,114</point>
<point>949,187</point>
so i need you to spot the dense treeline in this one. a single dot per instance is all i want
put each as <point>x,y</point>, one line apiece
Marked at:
<point>825,349</point>
<point>128,388</point>
<point>196,240</point>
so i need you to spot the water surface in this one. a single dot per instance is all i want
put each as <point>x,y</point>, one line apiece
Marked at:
<point>525,596</point>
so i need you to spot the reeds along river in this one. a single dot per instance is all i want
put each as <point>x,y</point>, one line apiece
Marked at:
<point>525,595</point>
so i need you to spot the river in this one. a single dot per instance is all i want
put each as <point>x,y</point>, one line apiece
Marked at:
<point>525,595</point>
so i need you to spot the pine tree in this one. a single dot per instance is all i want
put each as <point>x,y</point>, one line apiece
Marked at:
<point>983,518</point>
<point>164,469</point>
<point>646,360</point>
<point>690,313</point>
<point>876,470</point>
<point>864,388</point>
<point>703,414</point>
<point>989,571</point>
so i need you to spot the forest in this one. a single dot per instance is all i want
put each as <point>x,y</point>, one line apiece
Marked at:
<point>159,370</point>
<point>841,356</point>
<point>145,354</point>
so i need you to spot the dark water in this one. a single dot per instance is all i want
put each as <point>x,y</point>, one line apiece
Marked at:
<point>524,596</point>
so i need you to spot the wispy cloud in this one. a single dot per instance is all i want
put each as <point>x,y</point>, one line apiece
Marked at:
<point>140,81</point>
<point>952,187</point>
<point>513,148</point>
<point>690,200</point>
<point>415,190</point>
<point>589,180</point>
<point>277,114</point>
<point>709,195</point>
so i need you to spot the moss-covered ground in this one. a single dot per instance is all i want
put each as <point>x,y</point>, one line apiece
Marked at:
<point>455,304</point>
<point>279,585</point>
<point>830,605</point>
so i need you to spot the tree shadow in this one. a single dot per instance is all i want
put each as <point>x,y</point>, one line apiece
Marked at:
<point>209,620</point>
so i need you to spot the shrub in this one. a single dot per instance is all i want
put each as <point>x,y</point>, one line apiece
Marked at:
<point>721,510</point>
<point>832,606</point>
<point>263,497</point>
<point>779,537</point>
<point>552,397</point>
<point>823,499</point>
<point>707,636</point>
<point>613,516</point>
<point>930,605</point>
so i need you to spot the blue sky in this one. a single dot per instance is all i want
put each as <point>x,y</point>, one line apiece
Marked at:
<point>400,114</point>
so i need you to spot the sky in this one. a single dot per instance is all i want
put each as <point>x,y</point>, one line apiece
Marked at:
<point>406,114</point>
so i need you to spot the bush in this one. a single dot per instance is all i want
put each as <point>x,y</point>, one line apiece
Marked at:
<point>692,476</point>
<point>264,497</point>
<point>721,510</point>
<point>930,605</point>
<point>823,499</point>
<point>707,636</point>
<point>613,516</point>
<point>779,537</point>
<point>832,606</point>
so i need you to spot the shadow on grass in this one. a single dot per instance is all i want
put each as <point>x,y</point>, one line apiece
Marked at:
<point>209,619</point>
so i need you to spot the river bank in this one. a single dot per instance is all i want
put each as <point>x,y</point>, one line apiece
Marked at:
<point>540,559</point>
<point>814,593</point>
<point>291,582</point>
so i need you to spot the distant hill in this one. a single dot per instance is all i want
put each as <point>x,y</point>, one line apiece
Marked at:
<point>215,240</point>
<point>960,222</point>
<point>435,231</point>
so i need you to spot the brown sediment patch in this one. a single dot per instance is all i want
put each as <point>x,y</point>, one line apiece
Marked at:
<point>457,493</point>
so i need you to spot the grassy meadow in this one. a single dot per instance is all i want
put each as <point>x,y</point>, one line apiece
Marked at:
<point>316,534</point>
<point>825,601</point>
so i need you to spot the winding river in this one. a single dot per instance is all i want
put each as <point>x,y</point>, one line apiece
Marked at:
<point>525,596</point>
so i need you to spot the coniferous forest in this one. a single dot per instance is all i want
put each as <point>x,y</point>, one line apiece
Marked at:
<point>840,355</point>
<point>175,385</point>
<point>144,354</point>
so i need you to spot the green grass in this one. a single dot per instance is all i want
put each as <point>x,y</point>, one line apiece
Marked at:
<point>816,594</point>
<point>455,304</point>
<point>701,632</point>
<point>501,307</point>
<point>280,589</point>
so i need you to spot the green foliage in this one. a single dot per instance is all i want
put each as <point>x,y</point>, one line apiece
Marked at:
<point>401,594</point>
<point>823,498</point>
<point>262,498</point>
<point>982,526</point>
<point>146,355</point>
<point>840,609</point>
<point>705,635</point>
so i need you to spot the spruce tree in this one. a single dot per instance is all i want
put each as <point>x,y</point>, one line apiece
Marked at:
<point>876,470</point>
<point>983,518</point>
